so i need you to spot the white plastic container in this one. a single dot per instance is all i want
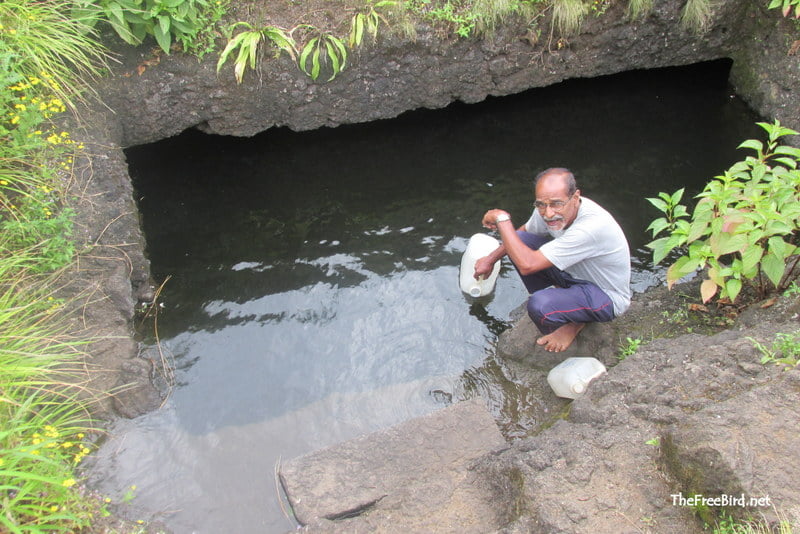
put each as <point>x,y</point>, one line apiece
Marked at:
<point>479,245</point>
<point>570,378</point>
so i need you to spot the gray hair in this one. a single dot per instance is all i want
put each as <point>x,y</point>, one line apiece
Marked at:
<point>569,178</point>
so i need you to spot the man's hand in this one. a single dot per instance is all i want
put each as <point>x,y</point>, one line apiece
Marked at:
<point>490,218</point>
<point>483,267</point>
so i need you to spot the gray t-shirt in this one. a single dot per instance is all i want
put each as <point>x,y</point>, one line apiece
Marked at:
<point>593,248</point>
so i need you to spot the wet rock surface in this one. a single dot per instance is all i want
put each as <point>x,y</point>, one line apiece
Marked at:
<point>414,477</point>
<point>683,416</point>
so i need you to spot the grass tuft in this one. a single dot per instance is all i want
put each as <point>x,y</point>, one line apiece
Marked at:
<point>568,16</point>
<point>639,8</point>
<point>696,15</point>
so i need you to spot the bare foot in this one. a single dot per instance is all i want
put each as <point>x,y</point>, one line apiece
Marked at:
<point>562,338</point>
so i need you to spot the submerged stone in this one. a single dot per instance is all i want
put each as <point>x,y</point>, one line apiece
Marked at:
<point>414,476</point>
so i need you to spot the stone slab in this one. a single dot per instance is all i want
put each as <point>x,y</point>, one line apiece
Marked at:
<point>350,478</point>
<point>741,448</point>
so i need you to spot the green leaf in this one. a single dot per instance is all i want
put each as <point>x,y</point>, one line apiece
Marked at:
<point>751,256</point>
<point>778,227</point>
<point>231,46</point>
<point>356,30</point>
<point>164,23</point>
<point>305,53</point>
<point>660,248</point>
<point>334,58</point>
<point>788,150</point>
<point>658,203</point>
<point>724,243</point>
<point>697,230</point>
<point>162,38</point>
<point>315,62</point>
<point>676,196</point>
<point>732,288</point>
<point>341,48</point>
<point>788,162</point>
<point>281,39</point>
<point>680,211</point>
<point>755,144</point>
<point>773,267</point>
<point>682,266</point>
<point>779,247</point>
<point>658,225</point>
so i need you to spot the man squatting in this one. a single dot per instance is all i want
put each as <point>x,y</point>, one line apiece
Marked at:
<point>572,257</point>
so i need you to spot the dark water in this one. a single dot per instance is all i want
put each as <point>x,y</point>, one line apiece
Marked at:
<point>313,292</point>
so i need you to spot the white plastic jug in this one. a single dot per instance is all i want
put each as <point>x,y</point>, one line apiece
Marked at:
<point>479,245</point>
<point>571,377</point>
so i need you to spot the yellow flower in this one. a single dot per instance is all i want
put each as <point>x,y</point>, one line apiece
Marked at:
<point>68,483</point>
<point>3,182</point>
<point>54,508</point>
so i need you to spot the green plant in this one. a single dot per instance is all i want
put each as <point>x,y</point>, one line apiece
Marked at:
<point>323,48</point>
<point>469,17</point>
<point>599,7</point>
<point>40,42</point>
<point>696,15</point>
<point>727,524</point>
<point>568,15</point>
<point>188,22</point>
<point>786,7</point>
<point>792,290</point>
<point>639,8</point>
<point>43,417</point>
<point>629,347</point>
<point>33,158</point>
<point>248,41</point>
<point>367,22</point>
<point>785,349</point>
<point>743,228</point>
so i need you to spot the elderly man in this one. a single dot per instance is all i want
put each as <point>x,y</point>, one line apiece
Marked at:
<point>572,256</point>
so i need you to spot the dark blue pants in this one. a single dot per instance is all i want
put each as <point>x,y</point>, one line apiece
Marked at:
<point>570,300</point>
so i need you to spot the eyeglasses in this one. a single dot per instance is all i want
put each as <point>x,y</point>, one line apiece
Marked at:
<point>556,205</point>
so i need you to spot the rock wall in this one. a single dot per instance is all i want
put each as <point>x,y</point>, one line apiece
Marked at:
<point>398,74</point>
<point>150,97</point>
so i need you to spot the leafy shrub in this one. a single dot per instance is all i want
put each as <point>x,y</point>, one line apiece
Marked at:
<point>786,7</point>
<point>785,349</point>
<point>188,22</point>
<point>323,46</point>
<point>247,43</point>
<point>744,227</point>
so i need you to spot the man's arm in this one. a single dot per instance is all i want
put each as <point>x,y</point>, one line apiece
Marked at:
<point>528,261</point>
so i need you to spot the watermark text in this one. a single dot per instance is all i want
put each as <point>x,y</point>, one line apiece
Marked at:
<point>742,500</point>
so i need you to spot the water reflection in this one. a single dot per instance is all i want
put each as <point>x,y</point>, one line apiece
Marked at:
<point>314,276</point>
